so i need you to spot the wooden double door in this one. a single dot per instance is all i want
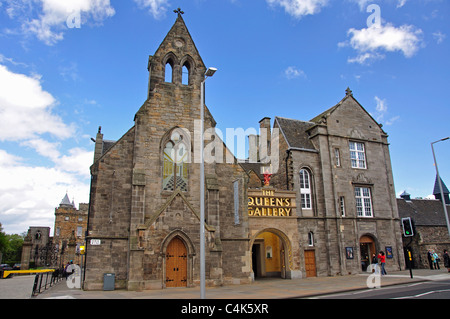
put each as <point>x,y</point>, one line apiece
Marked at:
<point>176,264</point>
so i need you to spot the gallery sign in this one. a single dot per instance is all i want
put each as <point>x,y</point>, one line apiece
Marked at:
<point>271,203</point>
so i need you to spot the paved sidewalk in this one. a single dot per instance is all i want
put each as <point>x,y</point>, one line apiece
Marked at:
<point>19,287</point>
<point>260,289</point>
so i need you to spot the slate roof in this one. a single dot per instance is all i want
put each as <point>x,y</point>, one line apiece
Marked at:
<point>66,201</point>
<point>255,167</point>
<point>437,191</point>
<point>424,212</point>
<point>295,133</point>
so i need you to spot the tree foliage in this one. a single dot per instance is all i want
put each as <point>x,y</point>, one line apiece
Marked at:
<point>11,247</point>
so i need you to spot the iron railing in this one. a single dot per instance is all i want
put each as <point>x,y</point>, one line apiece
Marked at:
<point>45,280</point>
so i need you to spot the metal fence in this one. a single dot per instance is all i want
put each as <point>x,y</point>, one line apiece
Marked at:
<point>44,281</point>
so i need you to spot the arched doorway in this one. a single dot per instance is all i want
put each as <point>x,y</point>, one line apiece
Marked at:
<point>367,248</point>
<point>269,250</point>
<point>176,264</point>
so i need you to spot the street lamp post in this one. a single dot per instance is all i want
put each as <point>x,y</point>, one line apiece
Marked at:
<point>209,73</point>
<point>440,184</point>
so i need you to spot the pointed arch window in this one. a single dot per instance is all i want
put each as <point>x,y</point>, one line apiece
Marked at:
<point>185,74</point>
<point>176,158</point>
<point>168,72</point>
<point>310,239</point>
<point>305,189</point>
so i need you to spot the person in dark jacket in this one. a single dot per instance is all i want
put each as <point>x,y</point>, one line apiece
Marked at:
<point>429,257</point>
<point>446,260</point>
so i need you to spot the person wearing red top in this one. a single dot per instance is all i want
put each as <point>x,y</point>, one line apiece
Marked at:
<point>382,261</point>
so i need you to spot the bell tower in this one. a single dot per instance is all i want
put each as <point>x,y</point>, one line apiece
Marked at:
<point>176,62</point>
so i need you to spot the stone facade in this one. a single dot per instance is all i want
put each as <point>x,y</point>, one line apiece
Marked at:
<point>135,217</point>
<point>35,252</point>
<point>144,206</point>
<point>322,148</point>
<point>69,232</point>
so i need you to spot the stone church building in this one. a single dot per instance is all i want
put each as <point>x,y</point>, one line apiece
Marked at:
<point>320,209</point>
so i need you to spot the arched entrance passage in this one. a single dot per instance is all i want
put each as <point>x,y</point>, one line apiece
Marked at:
<point>367,248</point>
<point>271,249</point>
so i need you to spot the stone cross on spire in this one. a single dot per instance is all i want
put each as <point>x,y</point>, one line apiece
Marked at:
<point>178,11</point>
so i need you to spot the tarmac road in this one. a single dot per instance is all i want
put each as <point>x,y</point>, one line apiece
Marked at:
<point>19,287</point>
<point>420,290</point>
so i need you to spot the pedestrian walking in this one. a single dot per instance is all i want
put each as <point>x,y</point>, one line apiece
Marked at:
<point>430,258</point>
<point>375,263</point>
<point>436,260</point>
<point>382,261</point>
<point>446,260</point>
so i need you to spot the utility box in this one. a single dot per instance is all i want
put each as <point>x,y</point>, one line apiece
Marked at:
<point>109,281</point>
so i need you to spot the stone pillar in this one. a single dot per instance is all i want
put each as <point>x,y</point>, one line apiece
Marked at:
<point>26,252</point>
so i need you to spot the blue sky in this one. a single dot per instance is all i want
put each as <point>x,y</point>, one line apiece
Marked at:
<point>68,67</point>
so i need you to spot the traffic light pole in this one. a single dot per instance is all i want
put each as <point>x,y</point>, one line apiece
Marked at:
<point>408,247</point>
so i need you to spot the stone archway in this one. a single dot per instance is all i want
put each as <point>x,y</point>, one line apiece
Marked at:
<point>367,246</point>
<point>271,253</point>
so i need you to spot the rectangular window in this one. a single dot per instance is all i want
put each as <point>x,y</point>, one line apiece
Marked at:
<point>337,157</point>
<point>306,201</point>
<point>357,155</point>
<point>363,202</point>
<point>79,231</point>
<point>342,205</point>
<point>305,189</point>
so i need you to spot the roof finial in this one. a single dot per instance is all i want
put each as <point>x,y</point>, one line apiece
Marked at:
<point>178,11</point>
<point>348,92</point>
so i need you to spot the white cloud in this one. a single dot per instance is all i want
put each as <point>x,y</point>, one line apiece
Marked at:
<point>382,110</point>
<point>439,37</point>
<point>381,105</point>
<point>157,8</point>
<point>300,8</point>
<point>401,3</point>
<point>30,192</point>
<point>56,16</point>
<point>370,42</point>
<point>292,73</point>
<point>44,148</point>
<point>29,195</point>
<point>26,109</point>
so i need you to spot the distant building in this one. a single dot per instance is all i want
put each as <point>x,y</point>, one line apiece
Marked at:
<point>430,226</point>
<point>36,249</point>
<point>70,229</point>
<point>41,250</point>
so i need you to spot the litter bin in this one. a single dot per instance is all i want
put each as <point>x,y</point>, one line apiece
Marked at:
<point>108,281</point>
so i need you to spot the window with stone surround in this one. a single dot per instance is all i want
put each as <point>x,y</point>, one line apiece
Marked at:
<point>175,163</point>
<point>305,189</point>
<point>357,155</point>
<point>168,72</point>
<point>363,202</point>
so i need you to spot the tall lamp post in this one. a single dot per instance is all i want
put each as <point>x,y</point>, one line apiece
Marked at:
<point>209,73</point>
<point>440,184</point>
